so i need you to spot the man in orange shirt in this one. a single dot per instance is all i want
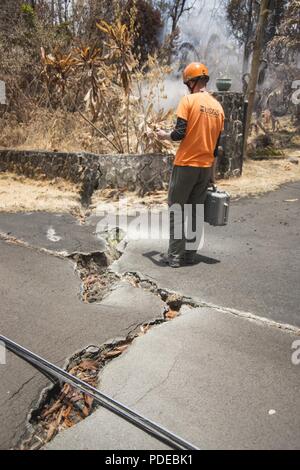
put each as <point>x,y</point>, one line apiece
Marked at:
<point>200,121</point>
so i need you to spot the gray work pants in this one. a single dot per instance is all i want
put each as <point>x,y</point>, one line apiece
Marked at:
<point>188,186</point>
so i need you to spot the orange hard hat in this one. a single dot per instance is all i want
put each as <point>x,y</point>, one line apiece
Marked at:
<point>193,71</point>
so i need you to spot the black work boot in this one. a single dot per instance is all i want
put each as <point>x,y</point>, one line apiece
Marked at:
<point>189,258</point>
<point>172,262</point>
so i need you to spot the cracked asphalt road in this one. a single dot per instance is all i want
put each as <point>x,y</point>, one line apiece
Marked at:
<point>41,309</point>
<point>251,265</point>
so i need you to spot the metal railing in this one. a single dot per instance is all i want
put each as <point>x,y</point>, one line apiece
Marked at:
<point>51,371</point>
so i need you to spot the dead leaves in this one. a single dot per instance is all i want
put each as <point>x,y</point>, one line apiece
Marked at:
<point>95,285</point>
<point>70,406</point>
<point>151,122</point>
<point>144,329</point>
<point>57,68</point>
<point>120,44</point>
<point>88,56</point>
<point>121,95</point>
<point>171,314</point>
<point>116,352</point>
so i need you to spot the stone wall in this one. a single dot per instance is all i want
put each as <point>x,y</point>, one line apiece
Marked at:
<point>141,173</point>
<point>231,163</point>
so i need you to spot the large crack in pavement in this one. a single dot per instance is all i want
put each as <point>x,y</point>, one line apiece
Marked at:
<point>60,406</point>
<point>139,280</point>
<point>96,283</point>
<point>96,279</point>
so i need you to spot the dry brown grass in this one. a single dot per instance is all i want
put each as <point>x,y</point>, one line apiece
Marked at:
<point>263,176</point>
<point>59,131</point>
<point>20,194</point>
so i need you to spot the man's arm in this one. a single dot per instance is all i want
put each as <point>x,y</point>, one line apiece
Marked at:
<point>213,171</point>
<point>216,152</point>
<point>214,167</point>
<point>180,130</point>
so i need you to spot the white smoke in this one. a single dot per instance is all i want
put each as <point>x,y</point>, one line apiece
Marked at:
<point>174,90</point>
<point>206,28</point>
<point>204,37</point>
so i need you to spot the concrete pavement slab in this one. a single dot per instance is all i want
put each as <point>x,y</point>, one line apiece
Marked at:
<point>55,232</point>
<point>41,309</point>
<point>219,381</point>
<point>252,265</point>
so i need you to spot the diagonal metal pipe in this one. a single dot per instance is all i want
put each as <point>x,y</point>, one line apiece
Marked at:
<point>150,427</point>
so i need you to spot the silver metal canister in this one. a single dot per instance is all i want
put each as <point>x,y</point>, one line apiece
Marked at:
<point>216,207</point>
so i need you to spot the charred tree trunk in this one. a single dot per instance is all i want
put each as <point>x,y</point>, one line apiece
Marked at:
<point>256,61</point>
<point>66,8</point>
<point>52,12</point>
<point>60,11</point>
<point>247,47</point>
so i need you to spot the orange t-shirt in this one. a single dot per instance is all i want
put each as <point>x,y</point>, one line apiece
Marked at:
<point>205,121</point>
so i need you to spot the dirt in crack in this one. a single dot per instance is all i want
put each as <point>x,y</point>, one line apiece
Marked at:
<point>63,406</point>
<point>172,300</point>
<point>96,279</point>
<point>93,269</point>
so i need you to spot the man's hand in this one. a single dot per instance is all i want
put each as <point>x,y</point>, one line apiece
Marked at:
<point>163,135</point>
